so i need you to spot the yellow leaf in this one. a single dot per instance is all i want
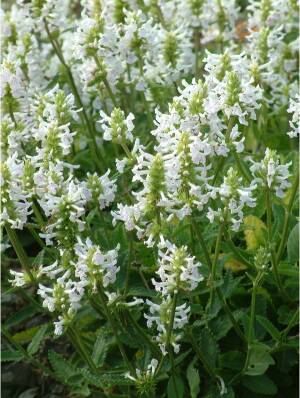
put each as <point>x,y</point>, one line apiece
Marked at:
<point>234,265</point>
<point>255,232</point>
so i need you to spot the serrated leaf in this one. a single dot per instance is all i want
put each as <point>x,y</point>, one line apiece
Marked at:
<point>11,356</point>
<point>193,378</point>
<point>209,347</point>
<point>90,378</point>
<point>100,349</point>
<point>175,387</point>
<point>293,245</point>
<point>259,361</point>
<point>230,283</point>
<point>113,379</point>
<point>37,339</point>
<point>63,368</point>
<point>260,385</point>
<point>269,327</point>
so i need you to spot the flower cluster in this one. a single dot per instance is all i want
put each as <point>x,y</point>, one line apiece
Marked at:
<point>127,126</point>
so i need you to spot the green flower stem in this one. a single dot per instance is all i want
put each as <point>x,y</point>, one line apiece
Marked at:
<point>126,150</point>
<point>242,169</point>
<point>36,237</point>
<point>80,348</point>
<point>251,331</point>
<point>222,299</point>
<point>12,115</point>
<point>168,345</point>
<point>171,356</point>
<point>235,251</point>
<point>115,330</point>
<point>155,350</point>
<point>92,144</point>
<point>287,219</point>
<point>274,263</point>
<point>130,258</point>
<point>37,213</point>
<point>20,252</point>
<point>291,323</point>
<point>197,50</point>
<point>111,94</point>
<point>214,265</point>
<point>169,332</point>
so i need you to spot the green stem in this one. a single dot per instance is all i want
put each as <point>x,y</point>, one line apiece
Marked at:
<point>37,213</point>
<point>144,335</point>
<point>251,330</point>
<point>290,325</point>
<point>197,48</point>
<point>241,167</point>
<point>126,150</point>
<point>169,331</point>
<point>111,94</point>
<point>235,251</point>
<point>130,257</point>
<point>287,219</point>
<point>214,265</point>
<point>80,348</point>
<point>20,252</point>
<point>115,330</point>
<point>222,299</point>
<point>274,263</point>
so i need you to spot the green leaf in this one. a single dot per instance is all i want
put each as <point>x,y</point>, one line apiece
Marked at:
<point>232,360</point>
<point>222,324</point>
<point>37,339</point>
<point>11,356</point>
<point>26,335</point>
<point>230,284</point>
<point>100,349</point>
<point>209,346</point>
<point>259,360</point>
<point>293,245</point>
<point>20,316</point>
<point>175,387</point>
<point>260,384</point>
<point>193,378</point>
<point>269,327</point>
<point>90,378</point>
<point>63,368</point>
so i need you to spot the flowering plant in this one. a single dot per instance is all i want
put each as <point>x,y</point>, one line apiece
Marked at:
<point>148,209</point>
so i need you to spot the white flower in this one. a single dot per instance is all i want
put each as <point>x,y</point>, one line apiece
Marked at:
<point>100,189</point>
<point>94,266</point>
<point>294,109</point>
<point>160,318</point>
<point>117,128</point>
<point>177,270</point>
<point>271,174</point>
